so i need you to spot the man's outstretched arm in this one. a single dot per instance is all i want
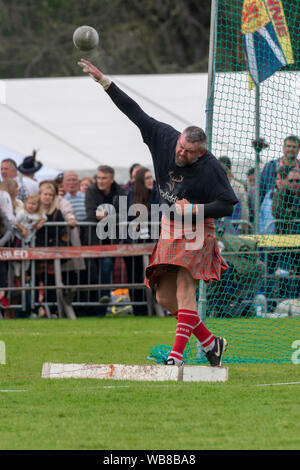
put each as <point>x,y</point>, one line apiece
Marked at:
<point>126,104</point>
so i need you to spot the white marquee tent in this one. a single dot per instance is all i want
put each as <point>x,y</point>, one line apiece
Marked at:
<point>74,125</point>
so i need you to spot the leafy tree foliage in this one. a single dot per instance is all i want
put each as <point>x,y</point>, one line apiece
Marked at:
<point>137,36</point>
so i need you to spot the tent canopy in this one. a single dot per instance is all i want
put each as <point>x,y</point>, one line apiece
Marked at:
<point>74,125</point>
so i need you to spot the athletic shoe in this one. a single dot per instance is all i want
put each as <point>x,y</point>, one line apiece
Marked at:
<point>172,362</point>
<point>215,355</point>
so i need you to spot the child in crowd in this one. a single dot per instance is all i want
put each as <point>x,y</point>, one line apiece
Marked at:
<point>29,219</point>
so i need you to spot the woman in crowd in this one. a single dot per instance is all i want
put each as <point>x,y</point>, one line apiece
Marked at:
<point>59,183</point>
<point>48,236</point>
<point>144,192</point>
<point>62,204</point>
<point>85,183</point>
<point>8,198</point>
<point>11,186</point>
<point>62,211</point>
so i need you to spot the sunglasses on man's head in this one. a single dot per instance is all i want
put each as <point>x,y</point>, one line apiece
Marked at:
<point>296,180</point>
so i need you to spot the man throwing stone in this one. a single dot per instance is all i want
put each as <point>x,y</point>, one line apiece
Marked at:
<point>189,177</point>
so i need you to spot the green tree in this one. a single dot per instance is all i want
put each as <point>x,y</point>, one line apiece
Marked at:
<point>136,36</point>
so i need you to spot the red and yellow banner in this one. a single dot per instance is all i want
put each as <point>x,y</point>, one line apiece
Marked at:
<point>266,39</point>
<point>276,14</point>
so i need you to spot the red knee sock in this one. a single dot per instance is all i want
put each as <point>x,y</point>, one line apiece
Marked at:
<point>203,335</point>
<point>186,321</point>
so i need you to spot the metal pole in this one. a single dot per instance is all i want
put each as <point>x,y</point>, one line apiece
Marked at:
<point>211,72</point>
<point>209,132</point>
<point>257,159</point>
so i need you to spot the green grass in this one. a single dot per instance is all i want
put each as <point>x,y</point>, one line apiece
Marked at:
<point>68,414</point>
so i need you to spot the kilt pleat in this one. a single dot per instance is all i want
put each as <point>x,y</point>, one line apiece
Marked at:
<point>204,264</point>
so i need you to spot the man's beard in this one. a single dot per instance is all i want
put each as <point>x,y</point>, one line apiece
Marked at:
<point>185,162</point>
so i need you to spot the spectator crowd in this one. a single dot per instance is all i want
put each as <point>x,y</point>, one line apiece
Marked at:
<point>278,189</point>
<point>31,213</point>
<point>28,206</point>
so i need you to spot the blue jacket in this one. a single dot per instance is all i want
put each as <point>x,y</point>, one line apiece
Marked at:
<point>265,214</point>
<point>267,178</point>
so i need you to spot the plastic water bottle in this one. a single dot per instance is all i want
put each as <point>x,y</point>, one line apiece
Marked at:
<point>260,303</point>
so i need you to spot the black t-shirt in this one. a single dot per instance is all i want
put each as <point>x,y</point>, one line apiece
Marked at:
<point>202,182</point>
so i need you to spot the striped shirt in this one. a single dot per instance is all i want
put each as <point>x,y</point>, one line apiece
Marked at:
<point>78,203</point>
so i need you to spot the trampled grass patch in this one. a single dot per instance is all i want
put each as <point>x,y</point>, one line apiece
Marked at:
<point>88,414</point>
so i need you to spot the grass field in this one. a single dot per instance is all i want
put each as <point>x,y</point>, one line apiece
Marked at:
<point>69,414</point>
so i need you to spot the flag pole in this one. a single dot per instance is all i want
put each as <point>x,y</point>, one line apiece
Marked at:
<point>211,72</point>
<point>209,119</point>
<point>202,300</point>
<point>257,159</point>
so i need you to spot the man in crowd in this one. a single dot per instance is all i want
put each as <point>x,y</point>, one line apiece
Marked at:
<point>27,182</point>
<point>286,210</point>
<point>104,191</point>
<point>286,205</point>
<point>189,176</point>
<point>73,195</point>
<point>266,218</point>
<point>290,151</point>
<point>24,174</point>
<point>8,168</point>
<point>99,197</point>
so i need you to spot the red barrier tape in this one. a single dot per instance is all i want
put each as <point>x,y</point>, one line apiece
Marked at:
<point>97,251</point>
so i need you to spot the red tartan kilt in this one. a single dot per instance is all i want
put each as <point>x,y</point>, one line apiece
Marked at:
<point>205,263</point>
